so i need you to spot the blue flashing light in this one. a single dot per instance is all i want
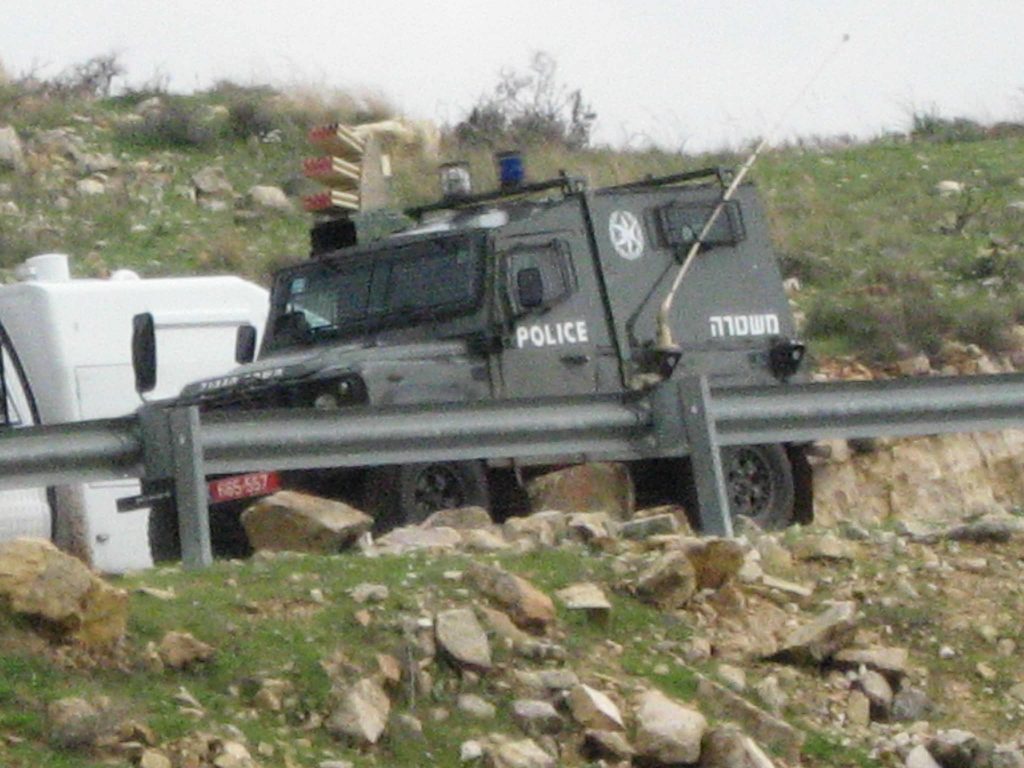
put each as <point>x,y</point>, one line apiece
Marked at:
<point>511,172</point>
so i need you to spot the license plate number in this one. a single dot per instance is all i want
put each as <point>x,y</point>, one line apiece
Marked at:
<point>244,486</point>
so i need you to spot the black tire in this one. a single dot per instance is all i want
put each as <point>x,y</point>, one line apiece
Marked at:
<point>164,539</point>
<point>410,493</point>
<point>759,481</point>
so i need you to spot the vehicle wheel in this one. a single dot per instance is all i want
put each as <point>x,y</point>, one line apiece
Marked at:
<point>759,481</point>
<point>164,539</point>
<point>409,494</point>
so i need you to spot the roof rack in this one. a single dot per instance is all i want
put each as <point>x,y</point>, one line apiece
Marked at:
<point>721,173</point>
<point>566,184</point>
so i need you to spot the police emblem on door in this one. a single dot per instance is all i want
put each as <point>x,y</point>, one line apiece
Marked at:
<point>626,234</point>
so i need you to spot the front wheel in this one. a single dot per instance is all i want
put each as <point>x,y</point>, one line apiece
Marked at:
<point>410,493</point>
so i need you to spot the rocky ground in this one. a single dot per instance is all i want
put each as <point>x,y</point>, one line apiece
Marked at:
<point>555,639</point>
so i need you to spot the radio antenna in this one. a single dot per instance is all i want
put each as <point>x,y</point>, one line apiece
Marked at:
<point>665,342</point>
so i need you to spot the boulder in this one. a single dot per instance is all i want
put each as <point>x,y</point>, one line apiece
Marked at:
<point>956,748</point>
<point>879,693</point>
<point>362,713</point>
<point>585,488</point>
<point>461,637</point>
<point>12,154</point>
<point>819,639</point>
<point>180,650</point>
<point>910,705</point>
<point>299,522</point>
<point>528,607</point>
<point>728,747</point>
<point>667,732</point>
<point>669,582</point>
<point>269,198</point>
<point>70,601</point>
<point>593,709</point>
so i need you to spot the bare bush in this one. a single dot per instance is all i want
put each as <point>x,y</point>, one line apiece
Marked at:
<point>529,108</point>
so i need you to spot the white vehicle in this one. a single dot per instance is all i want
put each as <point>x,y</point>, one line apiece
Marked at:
<point>66,356</point>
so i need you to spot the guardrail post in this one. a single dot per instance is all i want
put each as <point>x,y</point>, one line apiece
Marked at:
<point>705,458</point>
<point>190,488</point>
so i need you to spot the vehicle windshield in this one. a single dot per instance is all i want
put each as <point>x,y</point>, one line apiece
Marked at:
<point>409,284</point>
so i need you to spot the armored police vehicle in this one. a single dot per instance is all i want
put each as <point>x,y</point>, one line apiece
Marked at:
<point>532,292</point>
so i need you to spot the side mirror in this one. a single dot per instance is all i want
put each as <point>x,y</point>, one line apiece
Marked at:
<point>144,352</point>
<point>529,288</point>
<point>245,344</point>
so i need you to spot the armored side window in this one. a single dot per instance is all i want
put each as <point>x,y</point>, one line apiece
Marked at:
<point>680,224</point>
<point>538,277</point>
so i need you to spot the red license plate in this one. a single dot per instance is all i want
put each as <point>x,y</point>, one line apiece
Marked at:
<point>244,486</point>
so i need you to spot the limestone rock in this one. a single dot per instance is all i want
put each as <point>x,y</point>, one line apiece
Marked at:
<point>180,650</point>
<point>607,744</point>
<point>12,154</point>
<point>765,728</point>
<point>536,528</point>
<point>483,540</point>
<point>476,706</point>
<point>919,757</point>
<point>715,561</point>
<point>819,639</point>
<point>593,709</point>
<point>38,580</point>
<point>669,582</point>
<point>726,746</point>
<point>412,538</point>
<point>667,732</point>
<point>73,723</point>
<point>88,163</point>
<point>269,198</point>
<point>858,709</point>
<point>585,488</point>
<point>90,187</point>
<point>536,716</point>
<point>211,181</point>
<point>152,758</point>
<point>524,753</point>
<point>589,527</point>
<point>299,522</point>
<point>460,518</point>
<point>527,606</point>
<point>824,547</point>
<point>362,713</point>
<point>461,637</point>
<point>645,527</point>
<point>891,662</point>
<point>369,593</point>
<point>584,596</point>
<point>879,693</point>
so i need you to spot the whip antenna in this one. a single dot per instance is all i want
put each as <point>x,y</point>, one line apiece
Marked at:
<point>665,342</point>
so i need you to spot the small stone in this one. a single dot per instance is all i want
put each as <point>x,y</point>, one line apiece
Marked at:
<point>879,693</point>
<point>858,709</point>
<point>476,706</point>
<point>910,705</point>
<point>946,652</point>
<point>212,181</point>
<point>528,607</point>
<point>460,518</point>
<point>362,713</point>
<point>520,754</point>
<point>669,582</point>
<point>726,746</point>
<point>470,751</point>
<point>985,672</point>
<point>152,758</point>
<point>73,723</point>
<point>819,639</point>
<point>824,547</point>
<point>948,187</point>
<point>179,650</point>
<point>269,198</point>
<point>646,527</point>
<point>585,597</point>
<point>919,757</point>
<point>771,694</point>
<point>734,677</point>
<point>370,593</point>
<point>607,744</point>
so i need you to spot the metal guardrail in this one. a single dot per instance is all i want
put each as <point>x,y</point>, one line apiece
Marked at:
<point>680,417</point>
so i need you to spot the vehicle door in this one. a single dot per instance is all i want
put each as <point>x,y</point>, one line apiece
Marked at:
<point>549,342</point>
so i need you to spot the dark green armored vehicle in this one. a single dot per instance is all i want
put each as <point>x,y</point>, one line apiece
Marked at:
<point>532,292</point>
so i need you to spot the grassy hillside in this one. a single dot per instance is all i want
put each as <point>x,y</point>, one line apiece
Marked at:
<point>888,265</point>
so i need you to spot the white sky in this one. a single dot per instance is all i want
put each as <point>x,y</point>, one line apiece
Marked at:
<point>683,73</point>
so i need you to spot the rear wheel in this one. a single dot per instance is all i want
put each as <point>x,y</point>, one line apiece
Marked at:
<point>409,494</point>
<point>759,482</point>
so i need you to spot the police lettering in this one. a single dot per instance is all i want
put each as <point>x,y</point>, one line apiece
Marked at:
<point>552,334</point>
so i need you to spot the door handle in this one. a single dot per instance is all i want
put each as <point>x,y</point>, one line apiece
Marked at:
<point>575,359</point>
